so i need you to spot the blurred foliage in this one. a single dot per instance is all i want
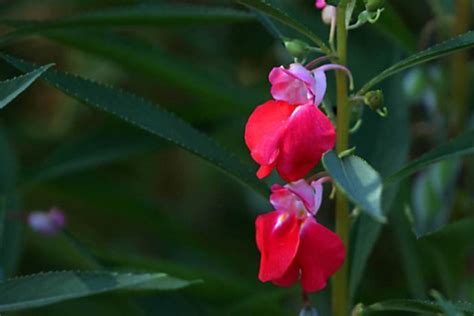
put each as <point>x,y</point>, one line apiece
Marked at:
<point>135,202</point>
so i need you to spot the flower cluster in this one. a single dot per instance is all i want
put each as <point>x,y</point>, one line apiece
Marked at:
<point>290,134</point>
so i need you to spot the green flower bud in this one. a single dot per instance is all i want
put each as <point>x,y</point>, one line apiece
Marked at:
<point>374,5</point>
<point>297,48</point>
<point>358,310</point>
<point>374,99</point>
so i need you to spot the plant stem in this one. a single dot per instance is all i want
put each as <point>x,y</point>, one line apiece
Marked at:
<point>339,284</point>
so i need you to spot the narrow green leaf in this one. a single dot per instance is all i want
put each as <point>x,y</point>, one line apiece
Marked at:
<point>458,146</point>
<point>148,117</point>
<point>282,17</point>
<point>140,15</point>
<point>358,180</point>
<point>53,287</point>
<point>415,306</point>
<point>11,88</point>
<point>452,45</point>
<point>164,68</point>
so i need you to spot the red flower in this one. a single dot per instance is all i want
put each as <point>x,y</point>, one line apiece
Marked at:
<point>293,245</point>
<point>291,138</point>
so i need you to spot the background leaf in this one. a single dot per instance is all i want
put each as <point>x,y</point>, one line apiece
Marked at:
<point>415,306</point>
<point>458,146</point>
<point>141,15</point>
<point>148,117</point>
<point>53,287</point>
<point>448,47</point>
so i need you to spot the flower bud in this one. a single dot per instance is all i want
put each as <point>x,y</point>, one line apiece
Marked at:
<point>297,48</point>
<point>47,223</point>
<point>374,99</point>
<point>328,15</point>
<point>308,311</point>
<point>374,5</point>
<point>358,310</point>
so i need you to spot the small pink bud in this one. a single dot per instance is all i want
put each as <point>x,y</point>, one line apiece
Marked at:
<point>328,15</point>
<point>47,223</point>
<point>320,4</point>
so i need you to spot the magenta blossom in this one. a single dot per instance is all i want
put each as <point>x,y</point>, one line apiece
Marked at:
<point>320,4</point>
<point>47,223</point>
<point>292,244</point>
<point>298,85</point>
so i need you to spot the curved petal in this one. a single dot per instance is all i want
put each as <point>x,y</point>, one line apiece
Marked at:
<point>303,191</point>
<point>318,193</point>
<point>309,134</point>
<point>319,87</point>
<point>278,238</point>
<point>294,92</point>
<point>300,72</point>
<point>264,130</point>
<point>320,255</point>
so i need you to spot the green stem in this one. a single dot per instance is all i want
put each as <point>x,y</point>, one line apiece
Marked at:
<point>339,284</point>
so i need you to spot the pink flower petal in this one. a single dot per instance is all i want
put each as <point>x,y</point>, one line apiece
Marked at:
<point>318,193</point>
<point>278,238</point>
<point>284,200</point>
<point>308,135</point>
<point>319,87</point>
<point>321,253</point>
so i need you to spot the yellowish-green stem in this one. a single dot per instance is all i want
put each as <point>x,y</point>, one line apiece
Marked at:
<point>339,283</point>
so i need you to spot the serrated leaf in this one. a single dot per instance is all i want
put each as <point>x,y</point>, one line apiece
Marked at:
<point>415,306</point>
<point>149,117</point>
<point>164,68</point>
<point>450,46</point>
<point>358,180</point>
<point>139,15</point>
<point>11,88</point>
<point>458,146</point>
<point>277,14</point>
<point>54,287</point>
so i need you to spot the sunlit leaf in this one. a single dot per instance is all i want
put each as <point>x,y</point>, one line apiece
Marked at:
<point>358,180</point>
<point>11,88</point>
